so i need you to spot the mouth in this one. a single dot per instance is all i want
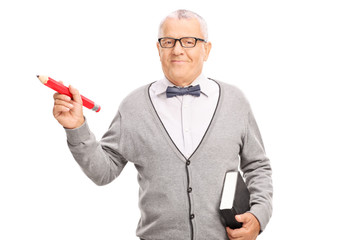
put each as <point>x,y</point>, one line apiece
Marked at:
<point>179,61</point>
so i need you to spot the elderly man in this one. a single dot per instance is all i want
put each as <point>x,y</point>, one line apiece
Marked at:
<point>183,134</point>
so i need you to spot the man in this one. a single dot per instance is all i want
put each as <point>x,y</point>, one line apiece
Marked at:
<point>182,140</point>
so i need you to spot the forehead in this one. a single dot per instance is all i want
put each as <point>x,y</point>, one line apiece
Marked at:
<point>177,28</point>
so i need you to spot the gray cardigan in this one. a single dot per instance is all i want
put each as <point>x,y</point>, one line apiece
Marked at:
<point>179,198</point>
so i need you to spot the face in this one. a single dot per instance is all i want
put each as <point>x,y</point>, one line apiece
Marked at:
<point>183,65</point>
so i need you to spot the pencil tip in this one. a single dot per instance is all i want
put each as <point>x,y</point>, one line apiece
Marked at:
<point>37,76</point>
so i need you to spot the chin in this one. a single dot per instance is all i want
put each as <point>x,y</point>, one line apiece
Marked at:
<point>177,76</point>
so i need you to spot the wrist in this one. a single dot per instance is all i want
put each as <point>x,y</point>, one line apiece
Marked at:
<point>80,122</point>
<point>78,135</point>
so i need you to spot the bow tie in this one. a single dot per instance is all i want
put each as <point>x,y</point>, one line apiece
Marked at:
<point>177,91</point>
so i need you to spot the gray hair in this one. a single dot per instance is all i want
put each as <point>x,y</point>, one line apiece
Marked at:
<point>186,14</point>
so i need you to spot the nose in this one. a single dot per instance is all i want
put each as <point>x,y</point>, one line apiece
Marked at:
<point>178,49</point>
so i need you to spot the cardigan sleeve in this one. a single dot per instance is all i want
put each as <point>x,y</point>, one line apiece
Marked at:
<point>101,160</point>
<point>257,172</point>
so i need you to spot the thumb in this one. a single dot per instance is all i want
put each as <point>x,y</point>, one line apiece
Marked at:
<point>239,218</point>
<point>75,94</point>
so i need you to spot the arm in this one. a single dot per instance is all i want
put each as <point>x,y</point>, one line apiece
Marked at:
<point>257,172</point>
<point>100,161</point>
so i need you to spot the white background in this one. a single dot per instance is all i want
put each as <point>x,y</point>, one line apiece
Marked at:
<point>296,61</point>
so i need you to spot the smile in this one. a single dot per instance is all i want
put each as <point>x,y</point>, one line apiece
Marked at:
<point>179,61</point>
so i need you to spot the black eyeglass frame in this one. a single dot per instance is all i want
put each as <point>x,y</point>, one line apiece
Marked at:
<point>179,39</point>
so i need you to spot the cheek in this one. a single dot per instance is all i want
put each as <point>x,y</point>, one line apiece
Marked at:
<point>197,56</point>
<point>164,62</point>
<point>163,57</point>
<point>198,60</point>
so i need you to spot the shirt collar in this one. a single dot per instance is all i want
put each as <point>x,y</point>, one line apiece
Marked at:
<point>206,87</point>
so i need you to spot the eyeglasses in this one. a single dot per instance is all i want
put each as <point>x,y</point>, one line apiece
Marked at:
<point>185,42</point>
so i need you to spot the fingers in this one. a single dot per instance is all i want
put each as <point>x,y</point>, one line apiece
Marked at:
<point>75,94</point>
<point>58,109</point>
<point>250,228</point>
<point>248,219</point>
<point>238,233</point>
<point>68,111</point>
<point>245,218</point>
<point>62,103</point>
<point>241,218</point>
<point>66,104</point>
<point>234,234</point>
<point>61,97</point>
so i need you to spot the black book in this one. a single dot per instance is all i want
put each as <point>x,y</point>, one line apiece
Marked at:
<point>235,199</point>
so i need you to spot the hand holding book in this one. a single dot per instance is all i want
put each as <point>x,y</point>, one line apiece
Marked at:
<point>250,227</point>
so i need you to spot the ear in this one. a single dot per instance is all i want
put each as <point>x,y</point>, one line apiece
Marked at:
<point>207,48</point>
<point>158,47</point>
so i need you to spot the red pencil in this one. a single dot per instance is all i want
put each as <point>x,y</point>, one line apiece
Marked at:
<point>62,89</point>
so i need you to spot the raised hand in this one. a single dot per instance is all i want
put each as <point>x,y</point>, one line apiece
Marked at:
<point>68,112</point>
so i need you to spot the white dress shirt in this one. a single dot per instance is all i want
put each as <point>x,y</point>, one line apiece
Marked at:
<point>186,118</point>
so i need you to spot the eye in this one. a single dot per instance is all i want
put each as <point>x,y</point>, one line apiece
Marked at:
<point>188,41</point>
<point>167,42</point>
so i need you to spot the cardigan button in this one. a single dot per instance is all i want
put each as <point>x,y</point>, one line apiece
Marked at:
<point>189,190</point>
<point>188,162</point>
<point>192,216</point>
